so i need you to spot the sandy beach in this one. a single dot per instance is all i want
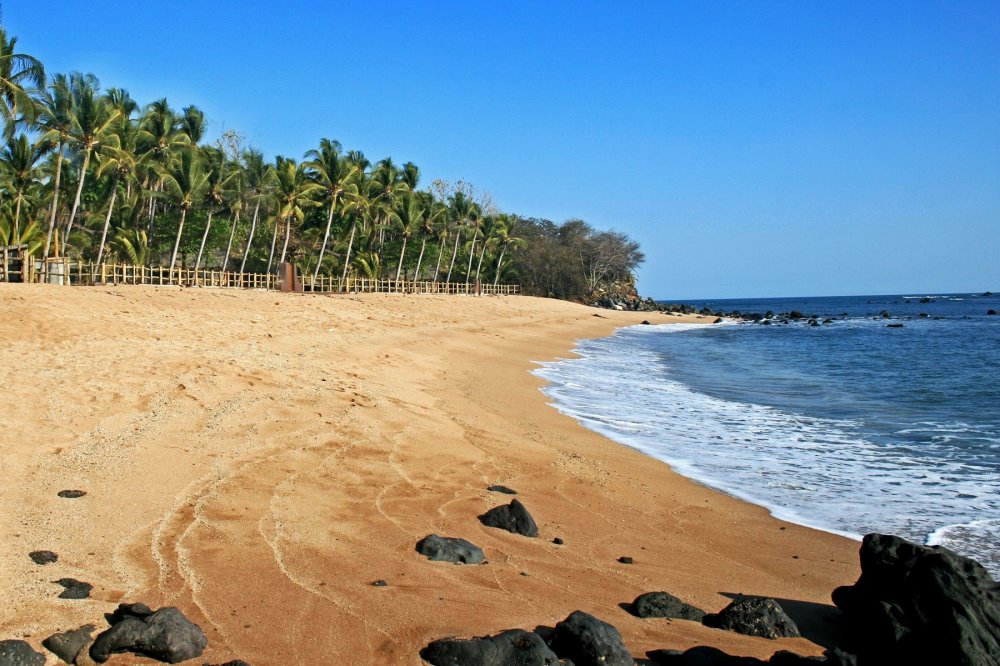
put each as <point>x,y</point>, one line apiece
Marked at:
<point>259,459</point>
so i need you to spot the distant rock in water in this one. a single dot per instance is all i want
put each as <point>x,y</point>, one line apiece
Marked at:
<point>74,589</point>
<point>165,635</point>
<point>71,494</point>
<point>43,556</point>
<point>921,605</point>
<point>68,644</point>
<point>512,517</point>
<point>497,488</point>
<point>991,312</point>
<point>510,647</point>
<point>450,549</point>
<point>587,641</point>
<point>664,604</point>
<point>894,326</point>
<point>754,616</point>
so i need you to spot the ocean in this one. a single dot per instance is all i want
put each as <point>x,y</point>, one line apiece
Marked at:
<point>849,426</point>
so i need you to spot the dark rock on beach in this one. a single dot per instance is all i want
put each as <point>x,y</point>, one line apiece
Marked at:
<point>497,488</point>
<point>664,604</point>
<point>587,641</point>
<point>512,517</point>
<point>19,653</point>
<point>72,494</point>
<point>511,647</point>
<point>75,589</point>
<point>234,662</point>
<point>921,605</point>
<point>379,583</point>
<point>164,635</point>
<point>69,643</point>
<point>558,541</point>
<point>43,556</point>
<point>754,616</point>
<point>450,549</point>
<point>704,655</point>
<point>625,559</point>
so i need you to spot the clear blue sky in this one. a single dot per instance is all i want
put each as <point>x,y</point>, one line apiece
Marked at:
<point>752,148</point>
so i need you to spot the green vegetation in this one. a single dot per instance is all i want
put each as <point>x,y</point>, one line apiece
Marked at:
<point>94,176</point>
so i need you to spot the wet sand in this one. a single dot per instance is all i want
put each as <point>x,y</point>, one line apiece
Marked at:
<point>258,459</point>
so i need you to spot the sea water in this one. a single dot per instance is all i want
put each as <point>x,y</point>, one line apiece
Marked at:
<point>850,426</point>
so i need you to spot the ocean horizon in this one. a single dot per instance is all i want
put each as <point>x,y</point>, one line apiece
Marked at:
<point>874,413</point>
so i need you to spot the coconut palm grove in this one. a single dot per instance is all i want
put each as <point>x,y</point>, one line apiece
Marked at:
<point>87,172</point>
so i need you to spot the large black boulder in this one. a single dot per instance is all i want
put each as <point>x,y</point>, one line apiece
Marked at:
<point>664,604</point>
<point>587,641</point>
<point>450,549</point>
<point>754,616</point>
<point>19,653</point>
<point>703,655</point>
<point>164,635</point>
<point>513,647</point>
<point>921,605</point>
<point>512,517</point>
<point>69,643</point>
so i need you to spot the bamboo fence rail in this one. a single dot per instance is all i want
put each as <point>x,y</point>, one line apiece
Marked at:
<point>67,272</point>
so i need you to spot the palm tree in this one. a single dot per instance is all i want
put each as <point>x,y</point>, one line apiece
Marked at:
<point>409,216</point>
<point>293,191</point>
<point>121,163</point>
<point>92,119</point>
<point>360,206</point>
<point>235,194</point>
<point>335,174</point>
<point>216,181</point>
<point>192,124</point>
<point>159,140</point>
<point>19,160</point>
<point>506,240</point>
<point>461,208</point>
<point>436,211</point>
<point>475,221</point>
<point>257,176</point>
<point>17,70</point>
<point>185,182</point>
<point>56,123</point>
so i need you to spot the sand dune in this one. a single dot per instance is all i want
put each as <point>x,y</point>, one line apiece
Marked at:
<point>258,459</point>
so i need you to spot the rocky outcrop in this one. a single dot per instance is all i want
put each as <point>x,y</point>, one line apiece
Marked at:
<point>497,488</point>
<point>663,604</point>
<point>512,517</point>
<point>587,641</point>
<point>68,644</point>
<point>754,616</point>
<point>43,556</point>
<point>165,635</point>
<point>19,653</point>
<point>704,655</point>
<point>921,605</point>
<point>450,549</point>
<point>73,588</point>
<point>513,646</point>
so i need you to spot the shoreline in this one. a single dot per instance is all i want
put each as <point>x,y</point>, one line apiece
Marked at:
<point>260,476</point>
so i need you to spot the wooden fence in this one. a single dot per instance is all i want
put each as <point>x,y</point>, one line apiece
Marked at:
<point>64,271</point>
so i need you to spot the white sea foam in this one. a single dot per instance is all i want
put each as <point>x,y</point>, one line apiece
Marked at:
<point>824,473</point>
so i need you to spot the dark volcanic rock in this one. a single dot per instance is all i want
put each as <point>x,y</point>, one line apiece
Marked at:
<point>72,494</point>
<point>512,517</point>
<point>921,605</point>
<point>625,559</point>
<point>702,655</point>
<point>43,556</point>
<point>164,635</point>
<point>380,583</point>
<point>587,641</point>
<point>514,647</point>
<point>234,662</point>
<point>991,312</point>
<point>75,589</point>
<point>497,488</point>
<point>69,643</point>
<point>19,653</point>
<point>450,549</point>
<point>558,541</point>
<point>663,604</point>
<point>754,616</point>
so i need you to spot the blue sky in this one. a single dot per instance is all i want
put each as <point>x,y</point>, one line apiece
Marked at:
<point>753,148</point>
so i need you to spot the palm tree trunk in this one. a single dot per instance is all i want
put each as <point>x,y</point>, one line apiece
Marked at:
<point>107,220</point>
<point>496,278</point>
<point>253,227</point>
<point>437,269</point>
<point>479,266</point>
<point>454,253</point>
<point>79,190</point>
<point>274,242</point>
<point>177,243</point>
<point>204,237</point>
<point>423,244</point>
<point>17,219</point>
<point>402,254</point>
<point>472,252</point>
<point>235,220</point>
<point>326,237</point>
<point>347,257</point>
<point>55,202</point>
<point>288,234</point>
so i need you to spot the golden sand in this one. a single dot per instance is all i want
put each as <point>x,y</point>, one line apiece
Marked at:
<point>258,459</point>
